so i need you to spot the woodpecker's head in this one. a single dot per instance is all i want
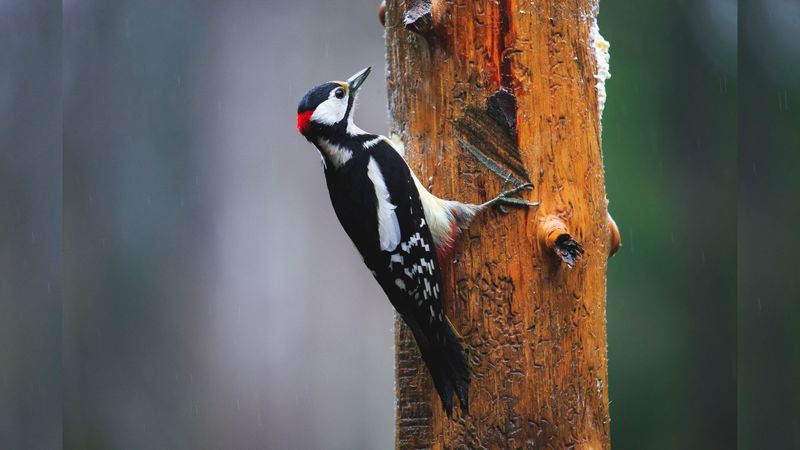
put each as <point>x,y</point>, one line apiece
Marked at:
<point>327,109</point>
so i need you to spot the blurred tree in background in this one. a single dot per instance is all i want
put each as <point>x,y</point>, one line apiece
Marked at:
<point>192,320</point>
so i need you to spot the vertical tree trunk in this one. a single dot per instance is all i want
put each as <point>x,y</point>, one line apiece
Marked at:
<point>512,83</point>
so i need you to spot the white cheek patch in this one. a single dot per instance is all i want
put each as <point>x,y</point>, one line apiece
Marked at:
<point>388,225</point>
<point>330,111</point>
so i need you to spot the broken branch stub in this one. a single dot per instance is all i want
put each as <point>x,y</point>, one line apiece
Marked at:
<point>556,237</point>
<point>419,17</point>
<point>615,239</point>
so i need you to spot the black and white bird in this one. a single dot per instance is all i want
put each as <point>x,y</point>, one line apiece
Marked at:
<point>402,231</point>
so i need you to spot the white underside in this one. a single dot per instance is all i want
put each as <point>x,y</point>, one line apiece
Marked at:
<point>438,214</point>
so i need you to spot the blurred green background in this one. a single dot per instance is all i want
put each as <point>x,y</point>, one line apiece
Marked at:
<point>191,320</point>
<point>669,145</point>
<point>769,217</point>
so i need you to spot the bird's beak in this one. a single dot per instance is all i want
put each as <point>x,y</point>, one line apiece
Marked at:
<point>357,80</point>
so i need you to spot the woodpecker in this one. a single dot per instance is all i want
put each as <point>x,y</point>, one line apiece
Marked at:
<point>403,232</point>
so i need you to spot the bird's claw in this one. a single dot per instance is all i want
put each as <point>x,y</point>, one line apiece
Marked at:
<point>505,198</point>
<point>517,202</point>
<point>521,187</point>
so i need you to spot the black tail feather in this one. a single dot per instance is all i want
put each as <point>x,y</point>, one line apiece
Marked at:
<point>446,356</point>
<point>456,354</point>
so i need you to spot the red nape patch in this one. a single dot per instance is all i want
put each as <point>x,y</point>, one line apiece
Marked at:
<point>303,120</point>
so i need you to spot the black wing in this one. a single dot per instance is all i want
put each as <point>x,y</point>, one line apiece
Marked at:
<point>409,274</point>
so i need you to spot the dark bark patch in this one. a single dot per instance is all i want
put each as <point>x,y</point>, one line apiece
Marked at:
<point>502,106</point>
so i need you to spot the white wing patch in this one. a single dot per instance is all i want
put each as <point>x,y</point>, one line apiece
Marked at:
<point>388,226</point>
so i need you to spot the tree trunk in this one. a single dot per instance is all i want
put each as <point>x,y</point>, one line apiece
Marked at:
<point>515,86</point>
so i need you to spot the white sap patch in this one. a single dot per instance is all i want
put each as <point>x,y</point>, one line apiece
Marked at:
<point>338,155</point>
<point>388,226</point>
<point>602,58</point>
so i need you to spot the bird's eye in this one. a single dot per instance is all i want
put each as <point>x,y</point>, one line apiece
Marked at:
<point>339,93</point>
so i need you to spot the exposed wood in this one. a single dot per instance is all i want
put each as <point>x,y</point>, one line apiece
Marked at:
<point>556,236</point>
<point>512,84</point>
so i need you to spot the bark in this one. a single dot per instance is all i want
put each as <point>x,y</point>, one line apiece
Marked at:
<point>509,83</point>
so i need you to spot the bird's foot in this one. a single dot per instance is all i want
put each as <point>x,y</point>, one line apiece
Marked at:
<point>507,198</point>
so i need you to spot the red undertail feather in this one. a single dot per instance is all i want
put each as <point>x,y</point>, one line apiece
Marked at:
<point>446,249</point>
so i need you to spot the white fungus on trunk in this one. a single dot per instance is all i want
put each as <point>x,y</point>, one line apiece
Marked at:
<point>602,57</point>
